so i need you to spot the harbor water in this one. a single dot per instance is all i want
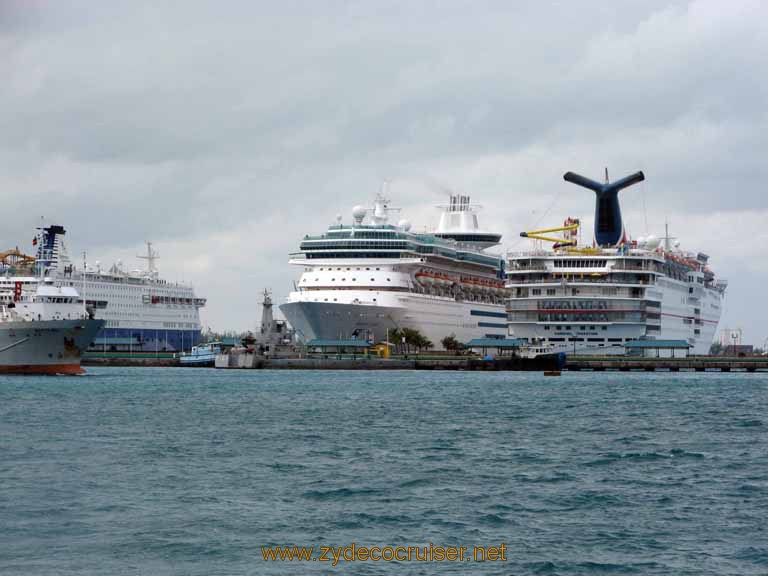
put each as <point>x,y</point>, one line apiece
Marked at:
<point>193,471</point>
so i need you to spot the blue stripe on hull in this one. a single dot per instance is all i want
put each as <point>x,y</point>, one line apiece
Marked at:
<point>488,313</point>
<point>492,325</point>
<point>152,340</point>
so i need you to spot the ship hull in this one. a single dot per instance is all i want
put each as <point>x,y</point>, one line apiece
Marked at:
<point>46,346</point>
<point>435,318</point>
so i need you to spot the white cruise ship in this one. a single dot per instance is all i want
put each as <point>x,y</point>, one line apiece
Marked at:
<point>599,297</point>
<point>362,279</point>
<point>141,311</point>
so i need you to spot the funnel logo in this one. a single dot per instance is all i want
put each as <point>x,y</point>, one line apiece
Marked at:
<point>609,228</point>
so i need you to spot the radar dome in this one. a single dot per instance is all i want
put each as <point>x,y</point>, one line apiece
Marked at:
<point>652,242</point>
<point>338,218</point>
<point>404,224</point>
<point>642,241</point>
<point>358,213</point>
<point>676,244</point>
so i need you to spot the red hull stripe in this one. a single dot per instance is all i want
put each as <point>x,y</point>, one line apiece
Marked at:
<point>42,369</point>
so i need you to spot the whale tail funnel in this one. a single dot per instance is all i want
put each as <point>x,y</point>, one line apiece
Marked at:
<point>609,228</point>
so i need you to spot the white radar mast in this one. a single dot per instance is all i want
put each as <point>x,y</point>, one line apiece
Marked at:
<point>151,257</point>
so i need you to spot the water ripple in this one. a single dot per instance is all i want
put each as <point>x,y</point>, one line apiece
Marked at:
<point>164,471</point>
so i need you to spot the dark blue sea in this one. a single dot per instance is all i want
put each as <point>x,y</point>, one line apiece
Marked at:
<point>193,471</point>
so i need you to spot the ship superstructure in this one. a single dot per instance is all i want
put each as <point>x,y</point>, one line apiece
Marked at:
<point>140,310</point>
<point>370,276</point>
<point>601,296</point>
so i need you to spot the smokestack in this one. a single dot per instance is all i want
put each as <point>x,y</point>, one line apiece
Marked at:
<point>609,228</point>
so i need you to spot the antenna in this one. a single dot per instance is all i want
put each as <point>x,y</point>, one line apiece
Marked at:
<point>151,257</point>
<point>667,238</point>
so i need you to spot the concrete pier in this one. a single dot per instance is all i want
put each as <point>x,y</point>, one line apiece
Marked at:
<point>689,364</point>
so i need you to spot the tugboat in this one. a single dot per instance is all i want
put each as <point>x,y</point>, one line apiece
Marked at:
<point>45,330</point>
<point>202,355</point>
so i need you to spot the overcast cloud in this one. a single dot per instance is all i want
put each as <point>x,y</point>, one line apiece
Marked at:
<point>224,132</point>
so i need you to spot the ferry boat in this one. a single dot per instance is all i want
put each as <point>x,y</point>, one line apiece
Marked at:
<point>137,306</point>
<point>594,299</point>
<point>45,330</point>
<point>368,277</point>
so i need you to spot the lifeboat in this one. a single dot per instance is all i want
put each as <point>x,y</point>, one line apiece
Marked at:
<point>443,279</point>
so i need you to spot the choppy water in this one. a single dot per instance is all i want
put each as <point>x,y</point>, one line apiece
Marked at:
<point>165,471</point>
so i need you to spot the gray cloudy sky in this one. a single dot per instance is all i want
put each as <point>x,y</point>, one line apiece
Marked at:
<point>224,131</point>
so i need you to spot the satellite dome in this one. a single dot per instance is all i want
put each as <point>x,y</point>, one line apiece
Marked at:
<point>358,213</point>
<point>404,224</point>
<point>652,242</point>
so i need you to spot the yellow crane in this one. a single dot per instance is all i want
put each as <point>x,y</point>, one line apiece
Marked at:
<point>570,229</point>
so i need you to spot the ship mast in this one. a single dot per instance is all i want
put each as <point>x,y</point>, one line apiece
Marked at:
<point>151,257</point>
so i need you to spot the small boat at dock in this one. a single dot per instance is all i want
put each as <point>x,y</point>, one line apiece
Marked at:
<point>201,355</point>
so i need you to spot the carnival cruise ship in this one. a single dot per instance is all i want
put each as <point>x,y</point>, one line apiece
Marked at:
<point>595,298</point>
<point>362,279</point>
<point>141,311</point>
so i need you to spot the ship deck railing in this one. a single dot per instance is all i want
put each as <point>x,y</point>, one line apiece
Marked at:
<point>570,281</point>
